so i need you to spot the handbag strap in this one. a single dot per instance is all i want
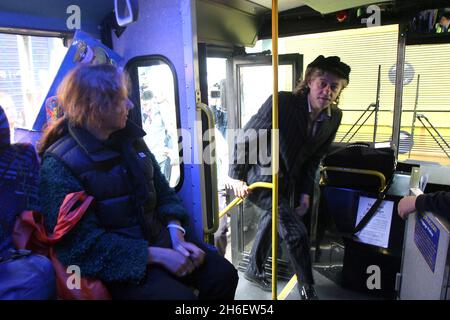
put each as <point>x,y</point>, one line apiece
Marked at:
<point>73,208</point>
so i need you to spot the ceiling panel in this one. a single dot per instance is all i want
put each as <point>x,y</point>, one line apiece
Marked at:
<point>282,4</point>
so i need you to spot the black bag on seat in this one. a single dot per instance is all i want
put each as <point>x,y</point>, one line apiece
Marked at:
<point>359,256</point>
<point>359,156</point>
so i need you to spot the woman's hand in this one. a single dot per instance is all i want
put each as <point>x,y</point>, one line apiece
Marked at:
<point>171,260</point>
<point>196,254</point>
<point>406,206</point>
<point>187,249</point>
<point>240,188</point>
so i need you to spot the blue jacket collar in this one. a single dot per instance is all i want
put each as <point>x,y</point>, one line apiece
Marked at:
<point>99,151</point>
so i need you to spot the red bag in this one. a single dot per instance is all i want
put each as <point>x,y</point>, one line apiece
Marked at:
<point>29,233</point>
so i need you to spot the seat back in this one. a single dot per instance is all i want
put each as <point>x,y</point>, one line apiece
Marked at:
<point>19,169</point>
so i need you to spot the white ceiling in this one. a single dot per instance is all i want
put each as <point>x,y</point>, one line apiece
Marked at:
<point>282,4</point>
<point>323,6</point>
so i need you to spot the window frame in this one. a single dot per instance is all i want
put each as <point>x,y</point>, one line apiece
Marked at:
<point>135,114</point>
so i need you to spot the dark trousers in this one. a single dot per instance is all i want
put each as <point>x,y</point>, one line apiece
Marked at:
<point>292,231</point>
<point>215,279</point>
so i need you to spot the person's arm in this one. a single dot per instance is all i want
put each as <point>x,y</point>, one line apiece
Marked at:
<point>406,206</point>
<point>99,254</point>
<point>248,137</point>
<point>171,210</point>
<point>242,155</point>
<point>437,202</point>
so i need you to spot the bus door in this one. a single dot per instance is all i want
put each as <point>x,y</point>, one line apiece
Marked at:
<point>252,77</point>
<point>161,55</point>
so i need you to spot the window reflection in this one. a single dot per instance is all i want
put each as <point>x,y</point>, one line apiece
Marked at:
<point>28,66</point>
<point>158,113</point>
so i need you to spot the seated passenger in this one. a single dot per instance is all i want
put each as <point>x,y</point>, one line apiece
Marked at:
<point>132,239</point>
<point>21,276</point>
<point>437,202</point>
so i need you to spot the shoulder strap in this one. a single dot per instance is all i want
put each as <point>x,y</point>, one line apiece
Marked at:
<point>29,230</point>
<point>71,211</point>
<point>368,216</point>
<point>371,212</point>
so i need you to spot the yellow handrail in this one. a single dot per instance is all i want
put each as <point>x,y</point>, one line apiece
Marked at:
<point>290,285</point>
<point>361,171</point>
<point>238,200</point>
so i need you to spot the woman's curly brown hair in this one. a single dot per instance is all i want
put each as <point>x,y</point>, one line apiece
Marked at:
<point>85,93</point>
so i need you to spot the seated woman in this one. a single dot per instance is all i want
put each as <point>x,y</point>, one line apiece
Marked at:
<point>22,276</point>
<point>132,239</point>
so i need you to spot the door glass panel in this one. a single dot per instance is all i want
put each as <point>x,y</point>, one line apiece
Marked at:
<point>254,92</point>
<point>159,117</point>
<point>216,77</point>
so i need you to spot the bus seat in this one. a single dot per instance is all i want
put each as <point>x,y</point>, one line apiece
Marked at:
<point>20,274</point>
<point>53,112</point>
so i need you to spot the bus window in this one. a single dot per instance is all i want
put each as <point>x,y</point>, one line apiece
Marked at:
<point>159,117</point>
<point>28,66</point>
<point>427,94</point>
<point>364,50</point>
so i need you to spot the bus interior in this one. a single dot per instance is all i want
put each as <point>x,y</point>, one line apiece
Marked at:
<point>208,64</point>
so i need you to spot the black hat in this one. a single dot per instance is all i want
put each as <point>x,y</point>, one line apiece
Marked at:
<point>331,64</point>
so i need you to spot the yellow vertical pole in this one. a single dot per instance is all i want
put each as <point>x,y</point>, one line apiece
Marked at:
<point>275,153</point>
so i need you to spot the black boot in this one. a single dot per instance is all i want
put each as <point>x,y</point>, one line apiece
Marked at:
<point>307,292</point>
<point>261,282</point>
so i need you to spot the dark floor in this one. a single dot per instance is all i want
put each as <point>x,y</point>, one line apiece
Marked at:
<point>326,290</point>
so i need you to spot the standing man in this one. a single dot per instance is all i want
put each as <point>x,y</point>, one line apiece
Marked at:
<point>309,119</point>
